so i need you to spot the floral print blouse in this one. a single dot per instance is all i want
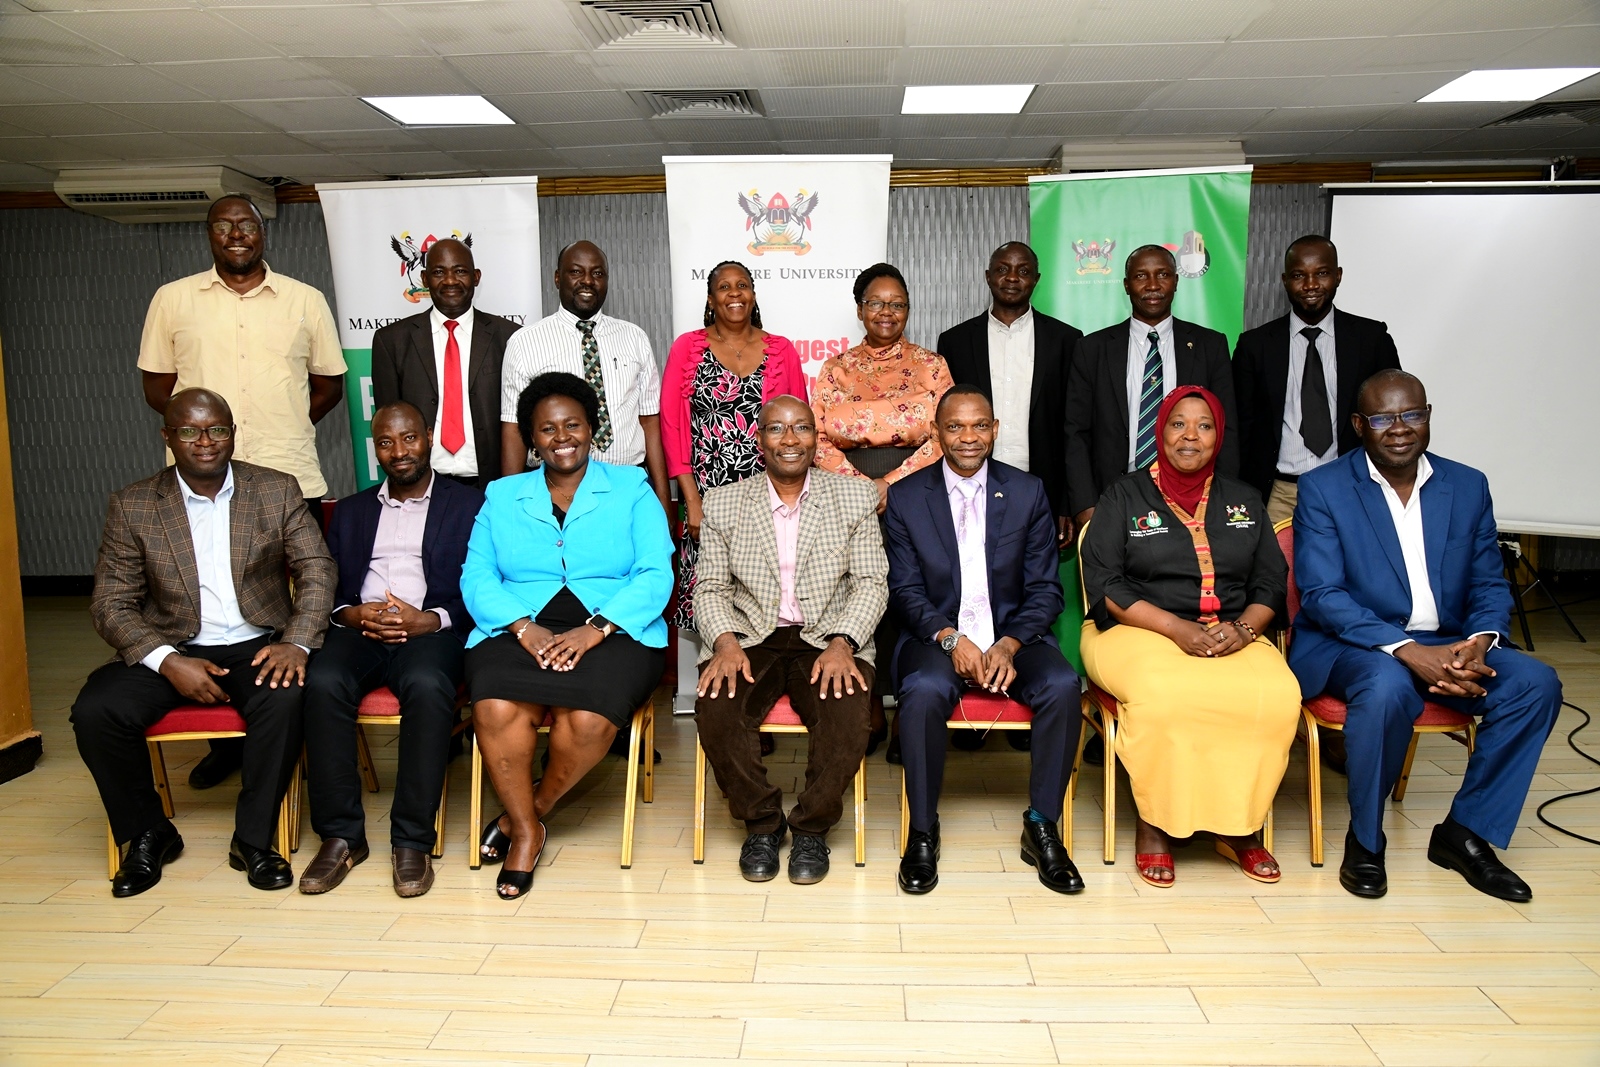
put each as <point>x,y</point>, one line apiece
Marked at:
<point>869,397</point>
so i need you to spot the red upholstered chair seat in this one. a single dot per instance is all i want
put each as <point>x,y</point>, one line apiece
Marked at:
<point>1103,700</point>
<point>195,719</point>
<point>1332,710</point>
<point>379,703</point>
<point>982,709</point>
<point>782,714</point>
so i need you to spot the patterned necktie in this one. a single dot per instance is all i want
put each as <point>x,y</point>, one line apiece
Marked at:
<point>1150,394</point>
<point>1316,421</point>
<point>452,424</point>
<point>976,618</point>
<point>597,382</point>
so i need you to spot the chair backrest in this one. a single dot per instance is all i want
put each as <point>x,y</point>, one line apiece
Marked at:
<point>1285,534</point>
<point>1083,592</point>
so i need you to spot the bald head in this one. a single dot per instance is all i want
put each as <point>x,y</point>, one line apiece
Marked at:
<point>398,415</point>
<point>1406,387</point>
<point>451,277</point>
<point>198,403</point>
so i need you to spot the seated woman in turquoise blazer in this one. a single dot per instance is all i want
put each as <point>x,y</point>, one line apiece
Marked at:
<point>567,574</point>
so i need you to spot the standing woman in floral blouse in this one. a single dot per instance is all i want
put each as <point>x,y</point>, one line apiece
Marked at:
<point>716,381</point>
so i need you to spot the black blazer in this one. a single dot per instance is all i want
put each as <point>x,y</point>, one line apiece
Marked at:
<point>965,348</point>
<point>402,369</point>
<point>354,527</point>
<point>1362,347</point>
<point>1097,404</point>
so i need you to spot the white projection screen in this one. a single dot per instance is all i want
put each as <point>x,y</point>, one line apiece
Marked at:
<point>1491,294</point>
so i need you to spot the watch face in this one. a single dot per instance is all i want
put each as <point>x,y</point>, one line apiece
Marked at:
<point>949,643</point>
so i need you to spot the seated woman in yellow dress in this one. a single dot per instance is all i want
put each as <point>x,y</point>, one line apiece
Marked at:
<point>1183,576</point>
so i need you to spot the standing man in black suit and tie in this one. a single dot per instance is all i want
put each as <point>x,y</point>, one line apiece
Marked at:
<point>1020,356</point>
<point>1296,378</point>
<point>1121,374</point>
<point>446,363</point>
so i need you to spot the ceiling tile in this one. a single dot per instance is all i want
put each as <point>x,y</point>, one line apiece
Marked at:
<point>993,22</point>
<point>334,31</point>
<point>919,127</point>
<point>601,106</point>
<point>1241,92</point>
<point>254,79</point>
<point>821,68</point>
<point>391,140</point>
<point>164,36</point>
<point>137,147</point>
<point>630,158</point>
<point>305,168</point>
<point>570,135</point>
<point>1286,59</point>
<point>403,163</point>
<point>529,72</point>
<point>481,138</point>
<point>54,152</point>
<point>30,39</point>
<point>393,76</point>
<point>1092,96</point>
<point>453,29</point>
<point>1457,17</point>
<point>1436,116</point>
<point>976,66</point>
<point>845,127</point>
<point>1115,62</point>
<point>813,23</point>
<point>1286,144</point>
<point>1209,122</point>
<point>843,100</point>
<point>197,116</point>
<point>1385,144</point>
<point>523,161</point>
<point>126,83</point>
<point>25,176</point>
<point>1445,52</point>
<point>17,90</point>
<point>1156,21</point>
<point>1376,88</point>
<point>61,119</point>
<point>1585,140</point>
<point>1292,19</point>
<point>1082,124</point>
<point>246,143</point>
<point>332,113</point>
<point>1572,46</point>
<point>723,68</point>
<point>1499,139</point>
<point>1319,119</point>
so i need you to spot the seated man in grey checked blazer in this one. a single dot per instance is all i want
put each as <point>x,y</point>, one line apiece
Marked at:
<point>792,582</point>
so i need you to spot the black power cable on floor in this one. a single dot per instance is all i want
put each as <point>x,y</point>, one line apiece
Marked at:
<point>1572,744</point>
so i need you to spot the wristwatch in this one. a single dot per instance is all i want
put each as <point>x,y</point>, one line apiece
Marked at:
<point>601,623</point>
<point>948,644</point>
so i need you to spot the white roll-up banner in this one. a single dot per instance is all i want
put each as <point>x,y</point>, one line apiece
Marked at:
<point>378,235</point>
<point>805,226</point>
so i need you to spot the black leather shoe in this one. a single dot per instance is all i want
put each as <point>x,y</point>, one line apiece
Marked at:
<point>892,753</point>
<point>1043,848</point>
<point>1021,740</point>
<point>808,859</point>
<point>147,854</point>
<point>215,767</point>
<point>758,859</point>
<point>1455,847</point>
<point>919,867</point>
<point>1094,751</point>
<point>968,740</point>
<point>1362,872</point>
<point>264,868</point>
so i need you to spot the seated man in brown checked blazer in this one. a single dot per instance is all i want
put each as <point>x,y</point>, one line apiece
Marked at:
<point>792,582</point>
<point>190,590</point>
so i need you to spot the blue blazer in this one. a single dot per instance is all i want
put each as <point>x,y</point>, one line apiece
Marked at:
<point>1352,579</point>
<point>613,552</point>
<point>354,527</point>
<point>1019,541</point>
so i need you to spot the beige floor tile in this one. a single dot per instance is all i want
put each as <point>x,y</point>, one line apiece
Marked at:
<point>1267,1044</point>
<point>1189,968</point>
<point>1514,936</point>
<point>1543,1006</point>
<point>727,1000</point>
<point>1450,968</point>
<point>923,1042</point>
<point>266,922</point>
<point>29,979</point>
<point>311,1056</point>
<point>795,937</point>
<point>1035,937</point>
<point>426,957</point>
<point>530,929</point>
<point>83,1020</point>
<point>663,964</point>
<point>30,890</point>
<point>888,968</point>
<point>1385,937</point>
<point>206,985</point>
<point>560,1034</point>
<point>1050,1004</point>
<point>75,948</point>
<point>63,1051</point>
<point>254,1024</point>
<point>1449,902</point>
<point>1463,1046</point>
<point>1233,1006</point>
<point>121,917</point>
<point>473,992</point>
<point>689,1060</point>
<point>1172,906</point>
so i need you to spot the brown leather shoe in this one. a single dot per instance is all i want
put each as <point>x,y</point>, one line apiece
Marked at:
<point>332,862</point>
<point>413,872</point>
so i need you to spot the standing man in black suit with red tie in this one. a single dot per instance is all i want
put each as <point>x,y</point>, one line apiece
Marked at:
<point>446,363</point>
<point>1297,376</point>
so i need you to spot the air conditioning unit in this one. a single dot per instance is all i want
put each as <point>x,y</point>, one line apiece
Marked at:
<point>159,194</point>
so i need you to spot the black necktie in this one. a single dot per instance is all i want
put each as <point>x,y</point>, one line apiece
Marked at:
<point>1316,422</point>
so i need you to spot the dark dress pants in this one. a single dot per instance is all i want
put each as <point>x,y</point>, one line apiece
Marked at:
<point>926,696</point>
<point>836,736</point>
<point>1385,699</point>
<point>424,673</point>
<point>118,703</point>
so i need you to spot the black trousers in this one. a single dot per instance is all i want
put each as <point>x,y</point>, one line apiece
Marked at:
<point>118,703</point>
<point>424,673</point>
<point>927,690</point>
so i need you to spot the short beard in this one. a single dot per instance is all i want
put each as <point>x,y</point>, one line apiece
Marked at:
<point>422,471</point>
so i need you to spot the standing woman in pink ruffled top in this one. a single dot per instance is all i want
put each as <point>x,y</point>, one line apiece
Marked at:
<point>716,381</point>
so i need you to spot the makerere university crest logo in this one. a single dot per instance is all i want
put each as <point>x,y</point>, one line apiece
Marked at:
<point>1094,257</point>
<point>778,225</point>
<point>414,256</point>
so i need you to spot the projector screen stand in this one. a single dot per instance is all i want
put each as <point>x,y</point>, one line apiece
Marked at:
<point>1515,563</point>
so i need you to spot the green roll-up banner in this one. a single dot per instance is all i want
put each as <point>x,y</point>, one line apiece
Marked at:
<point>1084,226</point>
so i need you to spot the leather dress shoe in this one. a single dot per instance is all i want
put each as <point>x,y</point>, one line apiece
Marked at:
<point>1094,751</point>
<point>1362,871</point>
<point>413,872</point>
<point>808,858</point>
<point>147,854</point>
<point>968,740</point>
<point>919,867</point>
<point>1020,740</point>
<point>1043,848</point>
<point>215,767</point>
<point>1455,847</point>
<point>263,867</point>
<point>335,859</point>
<point>758,859</point>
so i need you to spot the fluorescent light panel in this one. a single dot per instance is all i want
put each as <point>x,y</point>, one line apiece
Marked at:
<point>1496,85</point>
<point>440,110</point>
<point>965,99</point>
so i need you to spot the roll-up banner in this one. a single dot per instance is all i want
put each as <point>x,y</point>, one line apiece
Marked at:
<point>378,235</point>
<point>805,226</point>
<point>1084,226</point>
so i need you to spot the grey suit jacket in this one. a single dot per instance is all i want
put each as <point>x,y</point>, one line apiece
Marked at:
<point>841,573</point>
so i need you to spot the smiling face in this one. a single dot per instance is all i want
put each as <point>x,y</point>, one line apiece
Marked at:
<point>402,444</point>
<point>581,279</point>
<point>1189,437</point>
<point>561,434</point>
<point>732,296</point>
<point>236,249</point>
<point>451,277</point>
<point>1151,281</point>
<point>202,414</point>
<point>1400,445</point>
<point>966,427</point>
<point>883,323</point>
<point>788,438</point>
<point>1311,277</point>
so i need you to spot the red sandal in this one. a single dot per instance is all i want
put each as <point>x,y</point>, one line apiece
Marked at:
<point>1248,860</point>
<point>1161,861</point>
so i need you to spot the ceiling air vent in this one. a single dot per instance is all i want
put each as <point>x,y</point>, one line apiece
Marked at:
<point>159,194</point>
<point>1555,113</point>
<point>655,23</point>
<point>703,103</point>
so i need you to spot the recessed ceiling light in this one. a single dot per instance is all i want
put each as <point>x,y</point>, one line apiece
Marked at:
<point>964,99</point>
<point>440,110</point>
<point>1508,84</point>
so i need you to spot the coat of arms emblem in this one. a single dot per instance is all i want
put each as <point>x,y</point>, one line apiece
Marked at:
<point>1094,257</point>
<point>778,225</point>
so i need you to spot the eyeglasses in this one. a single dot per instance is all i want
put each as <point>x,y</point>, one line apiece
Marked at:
<point>248,227</point>
<point>899,307</point>
<point>190,434</point>
<point>1414,418</point>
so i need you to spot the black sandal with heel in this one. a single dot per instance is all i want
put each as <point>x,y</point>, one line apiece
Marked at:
<point>494,838</point>
<point>519,880</point>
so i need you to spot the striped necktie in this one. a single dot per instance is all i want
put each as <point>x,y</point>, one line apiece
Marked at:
<point>1150,394</point>
<point>597,382</point>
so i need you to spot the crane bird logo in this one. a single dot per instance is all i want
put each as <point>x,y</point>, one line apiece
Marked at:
<point>778,225</point>
<point>414,256</point>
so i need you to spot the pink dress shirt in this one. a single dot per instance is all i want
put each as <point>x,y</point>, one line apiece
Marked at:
<point>397,552</point>
<point>786,529</point>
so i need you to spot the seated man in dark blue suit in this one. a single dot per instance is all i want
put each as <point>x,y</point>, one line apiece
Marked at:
<point>973,579</point>
<point>400,623</point>
<point>1403,598</point>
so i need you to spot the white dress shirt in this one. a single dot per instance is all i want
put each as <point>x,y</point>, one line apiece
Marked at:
<point>396,565</point>
<point>632,379</point>
<point>1138,346</point>
<point>463,464</point>
<point>221,621</point>
<point>1011,383</point>
<point>1293,455</point>
<point>975,620</point>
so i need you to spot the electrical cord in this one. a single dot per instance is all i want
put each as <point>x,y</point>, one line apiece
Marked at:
<point>1572,744</point>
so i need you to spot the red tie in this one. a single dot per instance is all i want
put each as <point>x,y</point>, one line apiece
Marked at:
<point>452,431</point>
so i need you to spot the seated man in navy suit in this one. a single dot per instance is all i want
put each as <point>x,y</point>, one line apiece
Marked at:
<point>1403,598</point>
<point>400,623</point>
<point>973,579</point>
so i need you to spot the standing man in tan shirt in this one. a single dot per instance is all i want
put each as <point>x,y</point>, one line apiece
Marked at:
<point>266,344</point>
